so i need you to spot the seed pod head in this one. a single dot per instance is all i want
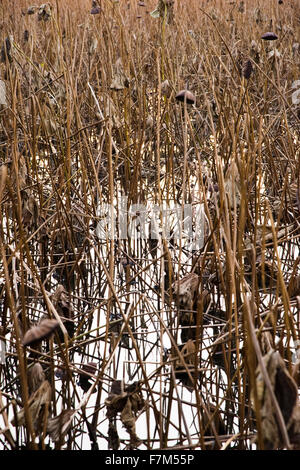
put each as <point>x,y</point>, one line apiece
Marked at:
<point>186,95</point>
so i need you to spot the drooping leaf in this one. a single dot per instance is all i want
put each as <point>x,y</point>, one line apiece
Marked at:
<point>41,397</point>
<point>187,363</point>
<point>31,10</point>
<point>185,290</point>
<point>247,69</point>
<point>232,185</point>
<point>58,426</point>
<point>3,93</point>
<point>35,376</point>
<point>128,420</point>
<point>45,12</point>
<point>269,36</point>
<point>186,96</point>
<point>164,10</point>
<point>86,372</point>
<point>127,400</point>
<point>40,332</point>
<point>286,392</point>
<point>119,79</point>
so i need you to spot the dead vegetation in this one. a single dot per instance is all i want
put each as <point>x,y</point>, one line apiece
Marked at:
<point>149,342</point>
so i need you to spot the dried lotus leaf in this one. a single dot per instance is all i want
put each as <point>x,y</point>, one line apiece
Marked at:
<point>166,89</point>
<point>164,10</point>
<point>286,393</point>
<point>42,396</point>
<point>88,369</point>
<point>119,80</point>
<point>188,353</point>
<point>31,10</point>
<point>113,436</point>
<point>3,93</point>
<point>185,290</point>
<point>58,426</point>
<point>294,286</point>
<point>269,36</point>
<point>128,419</point>
<point>64,307</point>
<point>186,96</point>
<point>232,185</point>
<point>36,376</point>
<point>42,331</point>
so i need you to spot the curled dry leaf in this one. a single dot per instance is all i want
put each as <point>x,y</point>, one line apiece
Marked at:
<point>42,331</point>
<point>212,419</point>
<point>95,8</point>
<point>45,12</point>
<point>6,49</point>
<point>267,341</point>
<point>58,426</point>
<point>185,290</point>
<point>35,377</point>
<point>266,274</point>
<point>247,69</point>
<point>128,403</point>
<point>119,80</point>
<point>65,309</point>
<point>294,286</point>
<point>117,387</point>
<point>286,393</point>
<point>232,185</point>
<point>164,10</point>
<point>128,420</point>
<point>3,93</point>
<point>41,397</point>
<point>89,369</point>
<point>31,10</point>
<point>186,96</point>
<point>30,211</point>
<point>187,293</point>
<point>86,372</point>
<point>269,36</point>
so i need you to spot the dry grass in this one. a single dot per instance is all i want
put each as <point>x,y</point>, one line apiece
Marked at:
<point>69,142</point>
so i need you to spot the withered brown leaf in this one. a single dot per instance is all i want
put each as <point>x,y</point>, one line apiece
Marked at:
<point>35,377</point>
<point>41,397</point>
<point>42,331</point>
<point>58,426</point>
<point>128,403</point>
<point>286,393</point>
